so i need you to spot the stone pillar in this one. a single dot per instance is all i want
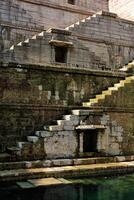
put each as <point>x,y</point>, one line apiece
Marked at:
<point>81,142</point>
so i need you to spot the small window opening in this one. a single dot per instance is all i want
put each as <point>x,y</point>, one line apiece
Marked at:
<point>60,54</point>
<point>71,2</point>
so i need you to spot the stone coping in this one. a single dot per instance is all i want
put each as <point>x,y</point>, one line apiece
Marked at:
<point>90,127</point>
<point>36,29</point>
<point>65,69</point>
<point>10,165</point>
<point>92,170</point>
<point>61,43</point>
<point>59,31</point>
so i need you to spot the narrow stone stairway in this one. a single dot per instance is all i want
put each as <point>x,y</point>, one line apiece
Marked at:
<point>45,144</point>
<point>79,24</point>
<point>89,21</point>
<point>128,67</point>
<point>36,50</point>
<point>38,146</point>
<point>100,98</point>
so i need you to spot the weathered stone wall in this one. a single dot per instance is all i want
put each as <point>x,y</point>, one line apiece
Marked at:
<point>103,41</point>
<point>109,36</point>
<point>15,24</point>
<point>124,8</point>
<point>21,19</point>
<point>42,50</point>
<point>119,118</point>
<point>34,96</point>
<point>118,138</point>
<point>61,144</point>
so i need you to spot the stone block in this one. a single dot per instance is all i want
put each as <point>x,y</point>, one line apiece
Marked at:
<point>62,162</point>
<point>84,161</point>
<point>68,128</point>
<point>64,123</point>
<point>28,164</point>
<point>120,158</point>
<point>80,112</point>
<point>73,118</point>
<point>21,144</point>
<point>47,163</point>
<point>55,128</point>
<point>42,133</point>
<point>33,139</point>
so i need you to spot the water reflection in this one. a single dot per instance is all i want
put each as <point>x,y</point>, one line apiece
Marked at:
<point>83,189</point>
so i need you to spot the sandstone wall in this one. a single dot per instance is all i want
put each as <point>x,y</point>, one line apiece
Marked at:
<point>103,41</point>
<point>21,19</point>
<point>118,138</point>
<point>32,97</point>
<point>119,117</point>
<point>109,36</point>
<point>124,8</point>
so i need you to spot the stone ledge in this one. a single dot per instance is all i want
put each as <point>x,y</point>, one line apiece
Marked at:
<point>11,165</point>
<point>108,14</point>
<point>64,69</point>
<point>60,43</point>
<point>59,31</point>
<point>92,170</point>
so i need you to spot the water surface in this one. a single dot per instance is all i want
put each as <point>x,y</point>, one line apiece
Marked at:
<point>118,188</point>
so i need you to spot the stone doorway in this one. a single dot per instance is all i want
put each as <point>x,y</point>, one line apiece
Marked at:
<point>90,139</point>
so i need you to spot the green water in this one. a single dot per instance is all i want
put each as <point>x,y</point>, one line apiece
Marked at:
<point>118,188</point>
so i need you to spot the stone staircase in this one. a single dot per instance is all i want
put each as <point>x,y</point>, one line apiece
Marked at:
<point>128,67</point>
<point>91,19</point>
<point>27,51</point>
<point>38,146</point>
<point>100,98</point>
<point>37,50</point>
<point>27,42</point>
<point>34,149</point>
<point>79,24</point>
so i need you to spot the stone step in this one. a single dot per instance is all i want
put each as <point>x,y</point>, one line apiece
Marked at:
<point>33,139</point>
<point>94,100</point>
<point>111,89</point>
<point>81,112</point>
<point>21,144</point>
<point>55,128</point>
<point>42,134</point>
<point>73,118</point>
<point>10,165</point>
<point>88,104</point>
<point>100,96</point>
<point>108,92</point>
<point>13,150</point>
<point>42,33</point>
<point>64,123</point>
<point>61,128</point>
<point>92,170</point>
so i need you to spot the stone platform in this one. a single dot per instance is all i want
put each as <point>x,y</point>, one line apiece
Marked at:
<point>12,165</point>
<point>43,182</point>
<point>66,168</point>
<point>93,170</point>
